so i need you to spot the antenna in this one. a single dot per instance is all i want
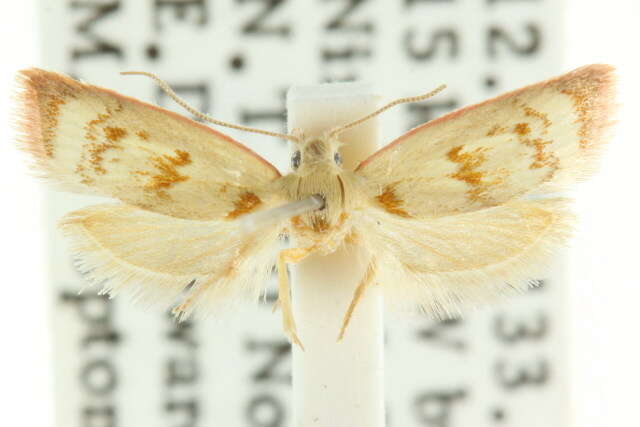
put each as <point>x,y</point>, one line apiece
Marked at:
<point>167,89</point>
<point>418,98</point>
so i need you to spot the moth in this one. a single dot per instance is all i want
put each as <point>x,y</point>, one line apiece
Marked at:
<point>457,211</point>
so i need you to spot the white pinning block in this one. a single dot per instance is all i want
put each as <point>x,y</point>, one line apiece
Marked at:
<point>337,384</point>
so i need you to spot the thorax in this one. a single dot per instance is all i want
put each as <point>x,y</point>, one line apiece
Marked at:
<point>327,228</point>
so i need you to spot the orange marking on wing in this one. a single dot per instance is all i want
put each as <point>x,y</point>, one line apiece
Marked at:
<point>99,142</point>
<point>168,175</point>
<point>522,129</point>
<point>586,94</point>
<point>541,157</point>
<point>592,89</point>
<point>114,133</point>
<point>143,134</point>
<point>531,112</point>
<point>86,179</point>
<point>391,202</point>
<point>602,73</point>
<point>38,86</point>
<point>467,172</point>
<point>468,163</point>
<point>96,156</point>
<point>247,202</point>
<point>170,114</point>
<point>579,101</point>
<point>496,130</point>
<point>90,126</point>
<point>51,111</point>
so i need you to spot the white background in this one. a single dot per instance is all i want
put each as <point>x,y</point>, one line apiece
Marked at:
<point>605,290</point>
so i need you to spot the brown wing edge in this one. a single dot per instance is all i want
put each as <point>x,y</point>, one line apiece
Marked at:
<point>38,96</point>
<point>592,88</point>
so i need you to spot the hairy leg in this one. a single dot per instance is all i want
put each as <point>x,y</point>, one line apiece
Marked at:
<point>357,296</point>
<point>291,256</point>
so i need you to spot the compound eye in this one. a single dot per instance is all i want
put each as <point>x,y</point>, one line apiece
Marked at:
<point>337,158</point>
<point>295,160</point>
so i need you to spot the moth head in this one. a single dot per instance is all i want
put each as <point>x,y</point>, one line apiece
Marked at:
<point>310,153</point>
<point>313,152</point>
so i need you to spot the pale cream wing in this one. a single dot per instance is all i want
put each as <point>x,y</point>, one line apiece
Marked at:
<point>446,263</point>
<point>537,138</point>
<point>154,257</point>
<point>93,140</point>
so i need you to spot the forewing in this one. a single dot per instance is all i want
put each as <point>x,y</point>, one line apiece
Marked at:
<point>93,140</point>
<point>155,257</point>
<point>449,262</point>
<point>536,138</point>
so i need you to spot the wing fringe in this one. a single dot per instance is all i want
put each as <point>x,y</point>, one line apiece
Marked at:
<point>26,120</point>
<point>100,267</point>
<point>447,294</point>
<point>223,291</point>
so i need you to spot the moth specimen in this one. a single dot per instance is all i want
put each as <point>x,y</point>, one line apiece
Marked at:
<point>458,210</point>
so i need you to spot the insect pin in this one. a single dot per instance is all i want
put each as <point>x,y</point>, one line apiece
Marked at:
<point>445,212</point>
